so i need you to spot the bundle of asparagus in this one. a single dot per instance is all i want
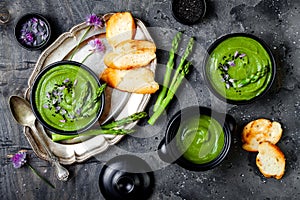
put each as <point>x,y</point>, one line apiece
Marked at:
<point>168,91</point>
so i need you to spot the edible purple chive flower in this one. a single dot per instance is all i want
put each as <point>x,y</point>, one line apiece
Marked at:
<point>54,92</point>
<point>19,159</point>
<point>62,121</point>
<point>34,20</point>
<point>227,85</point>
<point>62,87</point>
<point>66,80</point>
<point>242,55</point>
<point>231,80</point>
<point>97,45</point>
<point>63,112</point>
<point>45,106</point>
<point>57,108</point>
<point>29,37</point>
<point>59,99</point>
<point>48,95</point>
<point>236,54</point>
<point>231,63</point>
<point>226,76</point>
<point>43,36</point>
<point>42,23</point>
<point>78,111</point>
<point>75,82</point>
<point>71,116</point>
<point>94,20</point>
<point>225,67</point>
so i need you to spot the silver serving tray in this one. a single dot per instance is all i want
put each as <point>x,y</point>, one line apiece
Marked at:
<point>122,104</point>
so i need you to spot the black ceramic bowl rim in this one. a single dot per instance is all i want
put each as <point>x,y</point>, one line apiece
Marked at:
<point>185,21</point>
<point>266,47</point>
<point>35,110</point>
<point>19,24</point>
<point>173,126</point>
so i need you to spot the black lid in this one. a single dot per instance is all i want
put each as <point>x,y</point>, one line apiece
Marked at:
<point>126,177</point>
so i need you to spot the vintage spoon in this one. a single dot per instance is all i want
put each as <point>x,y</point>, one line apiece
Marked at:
<point>23,114</point>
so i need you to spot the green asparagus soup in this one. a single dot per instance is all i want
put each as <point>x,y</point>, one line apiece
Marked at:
<point>200,139</point>
<point>239,68</point>
<point>66,97</point>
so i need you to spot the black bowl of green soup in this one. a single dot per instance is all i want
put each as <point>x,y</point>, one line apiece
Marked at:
<point>65,97</point>
<point>239,68</point>
<point>197,138</point>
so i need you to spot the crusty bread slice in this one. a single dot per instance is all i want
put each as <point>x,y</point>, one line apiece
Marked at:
<point>270,160</point>
<point>139,80</point>
<point>134,45</point>
<point>129,60</point>
<point>258,131</point>
<point>120,27</point>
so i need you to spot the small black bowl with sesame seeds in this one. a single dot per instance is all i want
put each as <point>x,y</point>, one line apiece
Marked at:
<point>67,97</point>
<point>188,12</point>
<point>33,31</point>
<point>239,68</point>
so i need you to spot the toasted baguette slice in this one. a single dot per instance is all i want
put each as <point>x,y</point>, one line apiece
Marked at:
<point>129,60</point>
<point>140,80</point>
<point>120,27</point>
<point>258,131</point>
<point>270,160</point>
<point>134,45</point>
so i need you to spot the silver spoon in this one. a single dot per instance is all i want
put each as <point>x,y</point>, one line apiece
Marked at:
<point>23,114</point>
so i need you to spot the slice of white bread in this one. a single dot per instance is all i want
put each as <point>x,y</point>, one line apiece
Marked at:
<point>133,45</point>
<point>129,60</point>
<point>139,80</point>
<point>120,27</point>
<point>258,131</point>
<point>270,160</point>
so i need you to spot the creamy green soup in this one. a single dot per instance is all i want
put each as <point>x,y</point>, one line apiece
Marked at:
<point>239,68</point>
<point>200,139</point>
<point>66,97</point>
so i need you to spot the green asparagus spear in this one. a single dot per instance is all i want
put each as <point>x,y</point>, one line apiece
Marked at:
<point>169,69</point>
<point>252,78</point>
<point>84,93</point>
<point>100,91</point>
<point>93,132</point>
<point>171,92</point>
<point>127,120</point>
<point>106,129</point>
<point>187,52</point>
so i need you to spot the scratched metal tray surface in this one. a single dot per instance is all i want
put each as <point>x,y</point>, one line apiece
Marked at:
<point>117,105</point>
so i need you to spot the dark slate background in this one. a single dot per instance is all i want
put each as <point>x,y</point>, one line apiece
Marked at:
<point>274,21</point>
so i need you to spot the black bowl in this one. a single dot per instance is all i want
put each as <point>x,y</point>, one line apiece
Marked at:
<point>36,38</point>
<point>168,148</point>
<point>58,100</point>
<point>126,177</point>
<point>188,12</point>
<point>223,97</point>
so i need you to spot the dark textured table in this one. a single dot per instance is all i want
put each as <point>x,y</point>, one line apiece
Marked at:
<point>274,21</point>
